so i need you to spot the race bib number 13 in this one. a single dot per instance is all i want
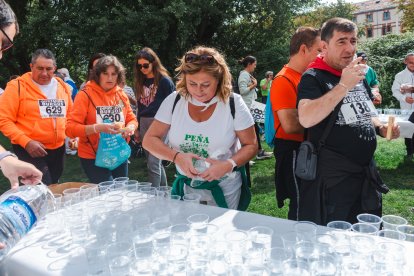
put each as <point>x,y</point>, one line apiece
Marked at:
<point>52,108</point>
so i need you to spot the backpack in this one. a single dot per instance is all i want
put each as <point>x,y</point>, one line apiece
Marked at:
<point>236,89</point>
<point>233,114</point>
<point>270,132</point>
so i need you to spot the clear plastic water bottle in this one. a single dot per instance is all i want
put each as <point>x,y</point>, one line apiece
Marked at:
<point>20,209</point>
<point>200,165</point>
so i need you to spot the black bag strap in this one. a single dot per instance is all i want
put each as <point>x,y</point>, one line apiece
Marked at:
<point>328,128</point>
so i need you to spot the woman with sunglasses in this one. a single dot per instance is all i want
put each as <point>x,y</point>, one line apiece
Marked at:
<point>206,124</point>
<point>152,86</point>
<point>100,100</point>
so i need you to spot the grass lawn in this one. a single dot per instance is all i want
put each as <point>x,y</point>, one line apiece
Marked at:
<point>397,173</point>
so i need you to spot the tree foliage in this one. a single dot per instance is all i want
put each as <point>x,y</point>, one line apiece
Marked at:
<point>386,55</point>
<point>315,17</point>
<point>407,8</point>
<point>76,29</point>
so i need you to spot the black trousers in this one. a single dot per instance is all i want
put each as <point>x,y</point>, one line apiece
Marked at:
<point>409,145</point>
<point>50,165</point>
<point>97,174</point>
<point>286,182</point>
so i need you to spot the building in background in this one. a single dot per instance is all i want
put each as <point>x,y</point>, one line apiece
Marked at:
<point>378,17</point>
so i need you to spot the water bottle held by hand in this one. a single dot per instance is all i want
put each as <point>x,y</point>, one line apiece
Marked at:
<point>20,209</point>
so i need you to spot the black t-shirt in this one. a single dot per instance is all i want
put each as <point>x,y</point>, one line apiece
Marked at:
<point>152,96</point>
<point>356,139</point>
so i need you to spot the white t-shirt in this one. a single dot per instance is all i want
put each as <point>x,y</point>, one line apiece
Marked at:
<point>49,89</point>
<point>210,138</point>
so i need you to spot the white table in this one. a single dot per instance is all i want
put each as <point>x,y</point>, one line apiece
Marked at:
<point>38,253</point>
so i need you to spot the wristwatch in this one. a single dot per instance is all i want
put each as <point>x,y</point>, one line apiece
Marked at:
<point>6,153</point>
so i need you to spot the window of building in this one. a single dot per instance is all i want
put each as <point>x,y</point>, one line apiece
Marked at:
<point>354,19</point>
<point>369,32</point>
<point>384,30</point>
<point>386,15</point>
<point>389,29</point>
<point>369,17</point>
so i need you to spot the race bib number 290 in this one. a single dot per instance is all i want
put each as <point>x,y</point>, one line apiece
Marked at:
<point>112,114</point>
<point>52,108</point>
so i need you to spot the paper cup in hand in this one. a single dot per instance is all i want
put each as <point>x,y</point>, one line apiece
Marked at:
<point>391,120</point>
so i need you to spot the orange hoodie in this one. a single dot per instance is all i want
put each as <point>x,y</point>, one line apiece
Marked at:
<point>20,118</point>
<point>84,113</point>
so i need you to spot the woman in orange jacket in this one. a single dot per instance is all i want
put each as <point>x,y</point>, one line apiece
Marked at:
<point>101,99</point>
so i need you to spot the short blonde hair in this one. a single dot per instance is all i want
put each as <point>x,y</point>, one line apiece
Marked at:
<point>218,69</point>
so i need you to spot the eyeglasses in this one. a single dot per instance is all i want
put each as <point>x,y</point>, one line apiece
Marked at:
<point>203,59</point>
<point>145,66</point>
<point>5,45</point>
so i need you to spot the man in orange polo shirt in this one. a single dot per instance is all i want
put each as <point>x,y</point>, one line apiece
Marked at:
<point>304,47</point>
<point>33,116</point>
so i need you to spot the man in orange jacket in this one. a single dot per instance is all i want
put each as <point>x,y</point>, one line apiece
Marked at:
<point>33,116</point>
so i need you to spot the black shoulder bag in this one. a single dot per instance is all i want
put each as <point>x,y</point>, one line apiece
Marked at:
<point>307,157</point>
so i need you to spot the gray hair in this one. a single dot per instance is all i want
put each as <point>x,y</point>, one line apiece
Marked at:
<point>410,54</point>
<point>268,73</point>
<point>7,16</point>
<point>64,72</point>
<point>47,54</point>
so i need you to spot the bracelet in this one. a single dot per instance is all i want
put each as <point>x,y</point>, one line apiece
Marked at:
<point>175,156</point>
<point>233,163</point>
<point>94,129</point>
<point>344,86</point>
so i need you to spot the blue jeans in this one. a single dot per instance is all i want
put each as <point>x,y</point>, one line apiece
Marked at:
<point>97,174</point>
<point>156,171</point>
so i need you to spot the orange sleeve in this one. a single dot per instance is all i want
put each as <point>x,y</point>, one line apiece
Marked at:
<point>77,116</point>
<point>283,95</point>
<point>9,102</point>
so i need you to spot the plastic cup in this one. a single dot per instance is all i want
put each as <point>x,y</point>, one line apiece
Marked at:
<point>261,237</point>
<point>391,222</point>
<point>192,198</point>
<point>164,191</point>
<point>364,228</point>
<point>371,219</point>
<point>96,256</point>
<point>144,184</point>
<point>180,233</point>
<point>274,258</point>
<point>305,251</point>
<point>408,231</point>
<point>339,225</point>
<point>148,192</point>
<point>120,265</point>
<point>88,191</point>
<point>131,185</point>
<point>296,267</point>
<point>391,234</point>
<point>325,266</point>
<point>198,221</point>
<point>290,239</point>
<point>104,186</point>
<point>71,195</point>
<point>175,197</point>
<point>307,229</point>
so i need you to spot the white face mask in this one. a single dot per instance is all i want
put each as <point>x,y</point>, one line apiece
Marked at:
<point>193,101</point>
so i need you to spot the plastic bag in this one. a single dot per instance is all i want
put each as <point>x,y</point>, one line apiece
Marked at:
<point>113,150</point>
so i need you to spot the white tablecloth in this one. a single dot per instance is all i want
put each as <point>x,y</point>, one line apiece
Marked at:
<point>40,253</point>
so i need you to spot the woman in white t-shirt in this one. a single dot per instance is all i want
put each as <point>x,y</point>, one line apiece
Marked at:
<point>204,121</point>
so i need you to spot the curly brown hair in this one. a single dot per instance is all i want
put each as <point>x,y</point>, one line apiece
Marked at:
<point>103,64</point>
<point>218,69</point>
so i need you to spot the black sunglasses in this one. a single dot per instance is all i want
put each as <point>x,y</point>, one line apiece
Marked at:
<point>5,45</point>
<point>145,66</point>
<point>203,59</point>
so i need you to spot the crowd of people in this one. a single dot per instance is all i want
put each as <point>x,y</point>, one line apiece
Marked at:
<point>325,94</point>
